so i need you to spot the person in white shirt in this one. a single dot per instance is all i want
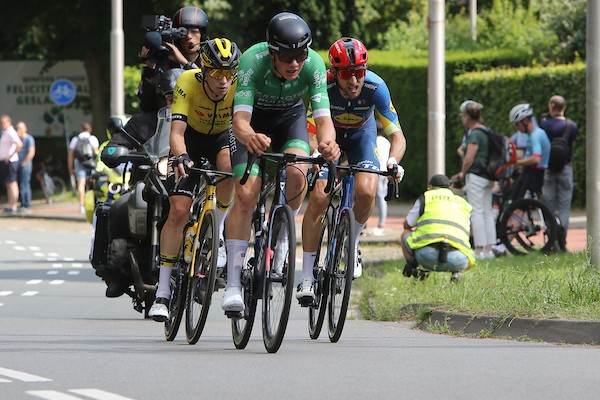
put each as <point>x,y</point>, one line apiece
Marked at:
<point>76,167</point>
<point>10,144</point>
<point>383,152</point>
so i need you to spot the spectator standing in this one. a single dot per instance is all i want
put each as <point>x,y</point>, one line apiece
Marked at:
<point>10,144</point>
<point>558,185</point>
<point>537,154</point>
<point>77,166</point>
<point>383,153</point>
<point>436,232</point>
<point>478,185</point>
<point>26,155</point>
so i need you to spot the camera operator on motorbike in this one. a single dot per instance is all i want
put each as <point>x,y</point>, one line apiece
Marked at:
<point>175,46</point>
<point>202,109</point>
<point>137,131</point>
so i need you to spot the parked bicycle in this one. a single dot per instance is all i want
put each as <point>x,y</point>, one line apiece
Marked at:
<point>336,255</point>
<point>53,186</point>
<point>268,270</point>
<point>194,275</point>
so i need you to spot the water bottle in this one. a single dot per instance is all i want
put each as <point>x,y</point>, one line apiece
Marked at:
<point>189,243</point>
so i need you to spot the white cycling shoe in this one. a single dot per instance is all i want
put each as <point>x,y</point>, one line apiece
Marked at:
<point>232,299</point>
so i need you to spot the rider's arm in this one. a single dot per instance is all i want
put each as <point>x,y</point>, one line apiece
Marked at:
<point>177,138</point>
<point>469,157</point>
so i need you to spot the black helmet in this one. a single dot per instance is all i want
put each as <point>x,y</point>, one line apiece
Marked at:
<point>220,53</point>
<point>287,31</point>
<point>191,17</point>
<point>166,84</point>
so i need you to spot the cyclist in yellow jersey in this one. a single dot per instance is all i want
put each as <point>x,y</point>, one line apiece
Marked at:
<point>202,109</point>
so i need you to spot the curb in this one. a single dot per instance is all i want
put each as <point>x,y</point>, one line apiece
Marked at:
<point>547,330</point>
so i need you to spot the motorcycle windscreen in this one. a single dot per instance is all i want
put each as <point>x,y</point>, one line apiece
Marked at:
<point>158,145</point>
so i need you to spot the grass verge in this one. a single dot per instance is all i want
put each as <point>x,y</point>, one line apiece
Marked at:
<point>563,286</point>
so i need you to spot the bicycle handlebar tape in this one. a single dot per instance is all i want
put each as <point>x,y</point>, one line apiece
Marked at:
<point>251,158</point>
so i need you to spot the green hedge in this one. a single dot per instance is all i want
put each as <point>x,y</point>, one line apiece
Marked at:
<point>500,89</point>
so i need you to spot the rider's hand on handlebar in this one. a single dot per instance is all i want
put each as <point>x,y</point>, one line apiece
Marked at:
<point>329,149</point>
<point>258,143</point>
<point>180,163</point>
<point>393,163</point>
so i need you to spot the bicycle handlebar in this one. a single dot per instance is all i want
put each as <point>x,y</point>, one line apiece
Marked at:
<point>291,158</point>
<point>393,186</point>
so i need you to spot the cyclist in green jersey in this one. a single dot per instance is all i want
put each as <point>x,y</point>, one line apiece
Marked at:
<point>268,112</point>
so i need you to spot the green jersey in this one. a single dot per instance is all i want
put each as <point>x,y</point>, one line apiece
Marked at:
<point>259,88</point>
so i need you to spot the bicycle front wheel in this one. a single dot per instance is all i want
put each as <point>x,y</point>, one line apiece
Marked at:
<point>202,278</point>
<point>527,225</point>
<point>316,312</point>
<point>178,283</point>
<point>341,273</point>
<point>278,278</point>
<point>241,328</point>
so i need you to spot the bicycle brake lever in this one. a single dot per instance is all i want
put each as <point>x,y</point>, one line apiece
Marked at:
<point>392,191</point>
<point>332,173</point>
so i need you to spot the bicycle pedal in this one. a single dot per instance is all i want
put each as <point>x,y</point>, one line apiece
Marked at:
<point>306,302</point>
<point>220,283</point>
<point>234,314</point>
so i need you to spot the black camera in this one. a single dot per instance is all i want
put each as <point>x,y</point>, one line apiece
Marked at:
<point>159,29</point>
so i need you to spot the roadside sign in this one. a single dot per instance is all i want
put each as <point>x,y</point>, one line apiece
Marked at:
<point>62,92</point>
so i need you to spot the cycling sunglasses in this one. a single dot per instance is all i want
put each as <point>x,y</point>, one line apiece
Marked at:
<point>220,73</point>
<point>346,74</point>
<point>288,57</point>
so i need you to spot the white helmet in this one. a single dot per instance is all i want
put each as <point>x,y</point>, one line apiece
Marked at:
<point>520,112</point>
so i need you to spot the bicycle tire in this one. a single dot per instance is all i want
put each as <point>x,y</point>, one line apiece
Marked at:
<point>178,283</point>
<point>202,279</point>
<point>342,272</point>
<point>278,284</point>
<point>316,312</point>
<point>241,328</point>
<point>60,188</point>
<point>527,225</point>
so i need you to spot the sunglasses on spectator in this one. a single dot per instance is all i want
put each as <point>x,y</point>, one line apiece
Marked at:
<point>346,74</point>
<point>288,57</point>
<point>220,73</point>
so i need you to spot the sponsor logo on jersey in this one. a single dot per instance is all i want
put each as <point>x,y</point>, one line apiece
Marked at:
<point>180,92</point>
<point>348,119</point>
<point>316,98</point>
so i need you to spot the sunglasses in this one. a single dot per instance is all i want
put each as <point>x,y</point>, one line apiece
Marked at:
<point>346,74</point>
<point>220,73</point>
<point>288,57</point>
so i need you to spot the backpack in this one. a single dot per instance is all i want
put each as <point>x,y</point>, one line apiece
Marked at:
<point>502,155</point>
<point>559,150</point>
<point>84,152</point>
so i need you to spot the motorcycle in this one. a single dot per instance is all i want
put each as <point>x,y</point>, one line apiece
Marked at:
<point>126,231</point>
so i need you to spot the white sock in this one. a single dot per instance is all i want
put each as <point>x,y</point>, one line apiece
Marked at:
<point>308,263</point>
<point>236,252</point>
<point>358,227</point>
<point>221,214</point>
<point>164,282</point>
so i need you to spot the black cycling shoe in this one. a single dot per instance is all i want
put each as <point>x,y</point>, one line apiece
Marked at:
<point>410,269</point>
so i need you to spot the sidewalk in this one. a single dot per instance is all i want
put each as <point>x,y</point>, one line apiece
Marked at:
<point>558,331</point>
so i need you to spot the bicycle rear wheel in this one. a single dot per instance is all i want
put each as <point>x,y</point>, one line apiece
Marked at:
<point>278,278</point>
<point>179,283</point>
<point>316,312</point>
<point>202,279</point>
<point>241,328</point>
<point>342,271</point>
<point>60,188</point>
<point>527,225</point>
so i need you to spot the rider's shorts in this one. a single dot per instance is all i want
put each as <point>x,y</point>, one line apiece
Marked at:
<point>287,130</point>
<point>198,146</point>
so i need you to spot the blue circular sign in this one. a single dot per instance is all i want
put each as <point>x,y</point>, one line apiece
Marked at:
<point>63,92</point>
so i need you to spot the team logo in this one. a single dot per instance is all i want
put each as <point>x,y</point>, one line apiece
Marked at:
<point>347,119</point>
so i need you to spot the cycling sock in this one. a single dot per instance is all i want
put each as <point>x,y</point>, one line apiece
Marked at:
<point>166,262</point>
<point>308,263</point>
<point>222,211</point>
<point>236,252</point>
<point>358,228</point>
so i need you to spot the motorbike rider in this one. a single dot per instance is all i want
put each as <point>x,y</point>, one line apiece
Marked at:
<point>139,128</point>
<point>182,53</point>
<point>202,109</point>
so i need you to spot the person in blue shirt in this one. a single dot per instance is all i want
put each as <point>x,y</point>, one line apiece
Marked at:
<point>537,153</point>
<point>357,97</point>
<point>26,155</point>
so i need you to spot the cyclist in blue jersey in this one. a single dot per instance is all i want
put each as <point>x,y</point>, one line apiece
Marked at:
<point>268,112</point>
<point>357,97</point>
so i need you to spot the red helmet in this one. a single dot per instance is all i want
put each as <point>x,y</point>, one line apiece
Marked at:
<point>348,52</point>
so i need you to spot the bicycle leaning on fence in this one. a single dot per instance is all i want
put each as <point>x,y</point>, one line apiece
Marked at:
<point>268,270</point>
<point>336,255</point>
<point>194,275</point>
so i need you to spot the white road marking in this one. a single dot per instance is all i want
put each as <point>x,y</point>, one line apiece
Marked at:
<point>5,293</point>
<point>53,254</point>
<point>19,248</point>
<point>99,394</point>
<point>73,272</point>
<point>4,380</point>
<point>77,265</point>
<point>34,248</point>
<point>68,259</point>
<point>38,254</point>
<point>57,282</point>
<point>34,282</point>
<point>57,265</point>
<point>1,304</point>
<point>10,242</point>
<point>52,272</point>
<point>51,259</point>
<point>22,376</point>
<point>29,293</point>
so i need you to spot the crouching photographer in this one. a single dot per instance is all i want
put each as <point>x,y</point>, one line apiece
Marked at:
<point>169,43</point>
